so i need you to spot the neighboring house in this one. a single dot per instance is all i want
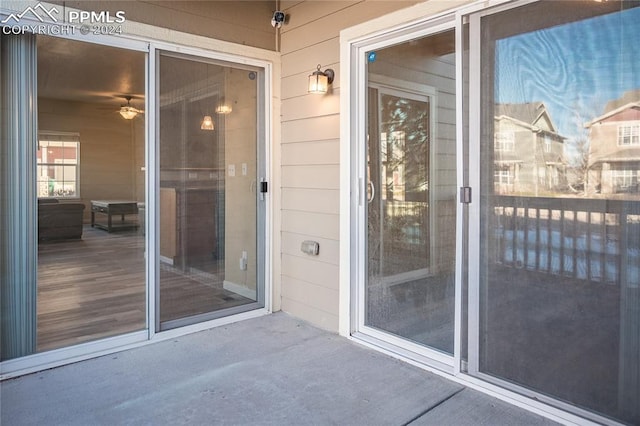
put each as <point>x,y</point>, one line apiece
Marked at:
<point>528,151</point>
<point>614,154</point>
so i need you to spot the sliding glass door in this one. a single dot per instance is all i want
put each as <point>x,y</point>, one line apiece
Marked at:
<point>211,207</point>
<point>545,107</point>
<point>88,280</point>
<point>106,212</point>
<point>90,160</point>
<point>557,114</point>
<point>407,293</point>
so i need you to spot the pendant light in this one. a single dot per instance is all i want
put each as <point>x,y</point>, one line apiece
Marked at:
<point>207,121</point>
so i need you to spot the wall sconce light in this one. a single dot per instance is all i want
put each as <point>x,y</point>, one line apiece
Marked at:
<point>223,109</point>
<point>207,123</point>
<point>319,81</point>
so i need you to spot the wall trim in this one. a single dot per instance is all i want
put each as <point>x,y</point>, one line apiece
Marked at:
<point>239,289</point>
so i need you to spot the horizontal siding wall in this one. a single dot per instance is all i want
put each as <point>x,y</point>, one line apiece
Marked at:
<point>243,22</point>
<point>310,152</point>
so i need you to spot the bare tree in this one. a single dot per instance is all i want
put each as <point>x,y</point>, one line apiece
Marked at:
<point>578,165</point>
<point>578,149</point>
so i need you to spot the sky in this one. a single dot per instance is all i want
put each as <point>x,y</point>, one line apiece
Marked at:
<point>575,69</point>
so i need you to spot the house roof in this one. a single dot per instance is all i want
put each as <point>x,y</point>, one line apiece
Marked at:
<point>526,114</point>
<point>551,158</point>
<point>507,157</point>
<point>630,99</point>
<point>620,155</point>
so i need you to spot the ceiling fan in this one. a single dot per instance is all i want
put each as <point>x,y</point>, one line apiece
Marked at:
<point>127,111</point>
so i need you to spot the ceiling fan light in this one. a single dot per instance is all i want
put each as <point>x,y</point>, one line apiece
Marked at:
<point>128,113</point>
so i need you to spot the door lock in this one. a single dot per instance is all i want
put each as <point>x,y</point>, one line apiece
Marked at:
<point>465,194</point>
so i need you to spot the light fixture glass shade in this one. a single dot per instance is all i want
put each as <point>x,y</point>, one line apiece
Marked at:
<point>128,112</point>
<point>223,109</point>
<point>318,83</point>
<point>207,123</point>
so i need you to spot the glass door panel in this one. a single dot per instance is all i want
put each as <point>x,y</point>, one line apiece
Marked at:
<point>410,214</point>
<point>560,221</point>
<point>90,163</point>
<point>209,213</point>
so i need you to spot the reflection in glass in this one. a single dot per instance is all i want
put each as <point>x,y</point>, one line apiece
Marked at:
<point>208,200</point>
<point>560,300</point>
<point>411,208</point>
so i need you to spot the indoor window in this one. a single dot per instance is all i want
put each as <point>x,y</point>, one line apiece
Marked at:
<point>58,158</point>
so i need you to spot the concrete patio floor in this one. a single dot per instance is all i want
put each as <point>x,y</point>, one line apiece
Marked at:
<point>273,370</point>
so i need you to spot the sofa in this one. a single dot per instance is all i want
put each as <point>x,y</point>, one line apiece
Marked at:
<point>59,221</point>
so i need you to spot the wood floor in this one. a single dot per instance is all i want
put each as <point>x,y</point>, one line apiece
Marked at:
<point>194,292</point>
<point>95,287</point>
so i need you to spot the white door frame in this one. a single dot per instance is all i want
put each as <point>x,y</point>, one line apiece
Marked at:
<point>354,177</point>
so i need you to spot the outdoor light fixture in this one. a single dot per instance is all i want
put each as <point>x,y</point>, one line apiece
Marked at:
<point>207,123</point>
<point>319,81</point>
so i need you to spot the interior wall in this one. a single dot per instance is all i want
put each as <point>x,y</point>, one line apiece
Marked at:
<point>243,22</point>
<point>310,152</point>
<point>240,189</point>
<point>111,149</point>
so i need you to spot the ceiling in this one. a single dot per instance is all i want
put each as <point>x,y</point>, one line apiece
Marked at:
<point>86,72</point>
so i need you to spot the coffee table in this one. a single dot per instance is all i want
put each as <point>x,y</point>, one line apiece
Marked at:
<point>112,208</point>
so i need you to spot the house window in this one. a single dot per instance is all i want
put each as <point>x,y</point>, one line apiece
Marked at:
<point>58,160</point>
<point>503,180</point>
<point>624,180</point>
<point>504,141</point>
<point>547,144</point>
<point>542,176</point>
<point>629,134</point>
<point>553,176</point>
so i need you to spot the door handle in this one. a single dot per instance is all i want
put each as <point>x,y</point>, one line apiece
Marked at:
<point>373,192</point>
<point>262,188</point>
